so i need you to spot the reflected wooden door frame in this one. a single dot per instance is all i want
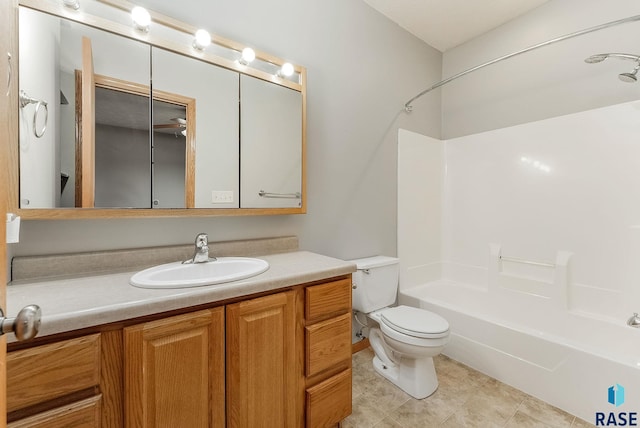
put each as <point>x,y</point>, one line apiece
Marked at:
<point>85,128</point>
<point>88,165</point>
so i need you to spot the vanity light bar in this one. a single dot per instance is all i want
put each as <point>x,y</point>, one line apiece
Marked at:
<point>270,67</point>
<point>218,40</point>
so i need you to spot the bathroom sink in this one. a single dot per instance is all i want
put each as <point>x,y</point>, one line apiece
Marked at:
<point>179,275</point>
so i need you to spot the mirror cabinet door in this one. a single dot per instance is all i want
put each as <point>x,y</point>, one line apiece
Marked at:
<point>39,75</point>
<point>270,146</point>
<point>84,121</point>
<point>211,128</point>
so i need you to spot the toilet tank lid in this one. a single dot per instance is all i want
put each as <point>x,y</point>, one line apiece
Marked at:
<point>375,261</point>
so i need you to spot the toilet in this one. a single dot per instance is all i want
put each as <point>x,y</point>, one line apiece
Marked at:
<point>404,339</point>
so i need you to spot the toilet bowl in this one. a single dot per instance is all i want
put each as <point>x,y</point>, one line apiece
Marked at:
<point>404,339</point>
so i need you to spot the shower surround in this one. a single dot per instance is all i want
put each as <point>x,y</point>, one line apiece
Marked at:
<point>527,239</point>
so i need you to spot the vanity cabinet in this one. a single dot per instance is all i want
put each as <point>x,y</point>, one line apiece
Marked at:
<point>272,360</point>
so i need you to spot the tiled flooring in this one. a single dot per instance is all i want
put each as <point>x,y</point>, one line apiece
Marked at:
<point>465,398</point>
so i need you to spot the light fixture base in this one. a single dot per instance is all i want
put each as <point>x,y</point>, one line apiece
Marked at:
<point>72,4</point>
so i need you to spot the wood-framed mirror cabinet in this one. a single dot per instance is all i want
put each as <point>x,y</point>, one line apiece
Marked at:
<point>198,105</point>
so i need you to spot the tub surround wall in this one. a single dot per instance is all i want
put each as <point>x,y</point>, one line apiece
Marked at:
<point>538,192</point>
<point>421,172</point>
<point>561,184</point>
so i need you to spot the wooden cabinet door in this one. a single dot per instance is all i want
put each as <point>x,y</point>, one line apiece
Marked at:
<point>174,371</point>
<point>261,365</point>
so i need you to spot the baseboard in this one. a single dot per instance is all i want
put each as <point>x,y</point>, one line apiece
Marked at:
<point>359,346</point>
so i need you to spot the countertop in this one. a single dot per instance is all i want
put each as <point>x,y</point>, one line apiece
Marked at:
<point>81,302</point>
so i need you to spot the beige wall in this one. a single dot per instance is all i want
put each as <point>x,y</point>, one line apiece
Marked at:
<point>361,70</point>
<point>548,82</point>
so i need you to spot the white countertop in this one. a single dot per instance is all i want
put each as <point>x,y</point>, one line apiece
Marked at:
<point>75,303</point>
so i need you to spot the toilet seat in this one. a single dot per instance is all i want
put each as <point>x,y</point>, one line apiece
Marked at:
<point>414,322</point>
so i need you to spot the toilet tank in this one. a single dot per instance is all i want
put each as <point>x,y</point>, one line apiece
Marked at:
<point>375,284</point>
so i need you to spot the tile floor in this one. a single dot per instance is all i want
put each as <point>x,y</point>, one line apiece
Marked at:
<point>464,398</point>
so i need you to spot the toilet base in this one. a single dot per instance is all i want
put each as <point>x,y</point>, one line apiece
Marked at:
<point>416,377</point>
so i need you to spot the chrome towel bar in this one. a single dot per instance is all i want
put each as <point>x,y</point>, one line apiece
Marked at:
<point>264,194</point>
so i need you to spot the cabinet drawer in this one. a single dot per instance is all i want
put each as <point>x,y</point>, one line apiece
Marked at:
<point>46,372</point>
<point>329,402</point>
<point>82,414</point>
<point>328,344</point>
<point>327,300</point>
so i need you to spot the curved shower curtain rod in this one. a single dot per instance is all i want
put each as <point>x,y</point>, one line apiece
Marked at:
<point>408,107</point>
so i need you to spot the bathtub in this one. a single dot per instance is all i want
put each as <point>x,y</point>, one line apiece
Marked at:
<point>567,359</point>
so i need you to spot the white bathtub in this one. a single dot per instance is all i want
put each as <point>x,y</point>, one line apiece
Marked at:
<point>566,359</point>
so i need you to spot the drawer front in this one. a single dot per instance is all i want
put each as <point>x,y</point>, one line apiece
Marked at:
<point>46,372</point>
<point>82,414</point>
<point>329,402</point>
<point>328,344</point>
<point>327,300</point>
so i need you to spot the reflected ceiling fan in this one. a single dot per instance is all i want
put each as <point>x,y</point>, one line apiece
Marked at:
<point>177,123</point>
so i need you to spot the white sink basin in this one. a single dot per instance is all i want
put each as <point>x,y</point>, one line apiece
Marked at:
<point>178,275</point>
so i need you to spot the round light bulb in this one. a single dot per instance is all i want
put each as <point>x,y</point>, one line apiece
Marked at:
<point>287,69</point>
<point>248,55</point>
<point>72,4</point>
<point>141,18</point>
<point>202,39</point>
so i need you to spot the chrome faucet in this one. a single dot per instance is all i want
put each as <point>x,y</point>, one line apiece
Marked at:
<point>201,254</point>
<point>634,321</point>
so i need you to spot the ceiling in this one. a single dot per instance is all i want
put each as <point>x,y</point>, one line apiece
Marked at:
<point>445,24</point>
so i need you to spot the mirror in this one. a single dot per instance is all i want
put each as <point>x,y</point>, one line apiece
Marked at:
<point>113,138</point>
<point>269,180</point>
<point>216,134</point>
<point>64,64</point>
<point>122,156</point>
<point>125,176</point>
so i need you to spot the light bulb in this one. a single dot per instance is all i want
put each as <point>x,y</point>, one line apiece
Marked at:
<point>201,40</point>
<point>286,70</point>
<point>141,18</point>
<point>248,55</point>
<point>72,4</point>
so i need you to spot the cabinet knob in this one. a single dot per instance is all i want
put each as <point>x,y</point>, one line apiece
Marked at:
<point>25,325</point>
